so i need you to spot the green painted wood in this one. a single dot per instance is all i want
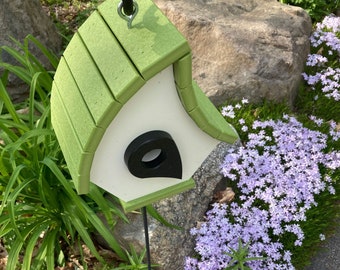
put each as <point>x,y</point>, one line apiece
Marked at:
<point>152,43</point>
<point>96,93</point>
<point>82,121</point>
<point>183,71</point>
<point>104,65</point>
<point>67,139</point>
<point>156,196</point>
<point>118,72</point>
<point>207,114</point>
<point>78,160</point>
<point>183,79</point>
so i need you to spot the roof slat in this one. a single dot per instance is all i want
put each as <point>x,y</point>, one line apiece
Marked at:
<point>115,66</point>
<point>95,91</point>
<point>152,43</point>
<point>81,119</point>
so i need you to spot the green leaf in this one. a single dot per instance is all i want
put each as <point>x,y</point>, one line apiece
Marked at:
<point>16,246</point>
<point>15,146</point>
<point>20,72</point>
<point>11,201</point>
<point>81,228</point>
<point>8,103</point>
<point>31,103</point>
<point>15,54</point>
<point>154,213</point>
<point>105,206</point>
<point>51,239</point>
<point>32,243</point>
<point>85,209</point>
<point>12,180</point>
<point>52,58</point>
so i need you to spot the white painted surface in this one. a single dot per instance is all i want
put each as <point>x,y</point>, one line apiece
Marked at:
<point>156,106</point>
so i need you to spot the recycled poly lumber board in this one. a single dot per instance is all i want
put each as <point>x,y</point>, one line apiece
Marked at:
<point>116,68</point>
<point>152,43</point>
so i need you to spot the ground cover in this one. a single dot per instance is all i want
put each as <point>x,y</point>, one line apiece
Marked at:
<point>286,175</point>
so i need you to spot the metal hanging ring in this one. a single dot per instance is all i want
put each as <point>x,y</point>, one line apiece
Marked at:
<point>129,18</point>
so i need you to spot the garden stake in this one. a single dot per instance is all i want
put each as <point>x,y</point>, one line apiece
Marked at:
<point>146,232</point>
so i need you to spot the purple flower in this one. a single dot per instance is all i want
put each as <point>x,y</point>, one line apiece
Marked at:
<point>228,111</point>
<point>277,175</point>
<point>324,71</point>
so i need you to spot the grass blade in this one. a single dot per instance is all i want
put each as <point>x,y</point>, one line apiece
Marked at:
<point>52,58</point>
<point>9,187</point>
<point>51,239</point>
<point>13,256</point>
<point>153,212</point>
<point>8,103</point>
<point>11,202</point>
<point>85,209</point>
<point>32,244</point>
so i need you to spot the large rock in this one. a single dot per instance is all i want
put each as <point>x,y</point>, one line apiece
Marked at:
<point>244,48</point>
<point>169,246</point>
<point>18,18</point>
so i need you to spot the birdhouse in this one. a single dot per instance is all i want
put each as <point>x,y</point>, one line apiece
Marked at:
<point>126,112</point>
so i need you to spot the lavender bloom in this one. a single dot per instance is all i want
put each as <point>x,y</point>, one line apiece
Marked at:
<point>228,111</point>
<point>325,33</point>
<point>277,175</point>
<point>326,74</point>
<point>317,121</point>
<point>334,130</point>
<point>316,60</point>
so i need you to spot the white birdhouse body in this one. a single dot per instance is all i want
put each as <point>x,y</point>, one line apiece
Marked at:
<point>156,106</point>
<point>126,112</point>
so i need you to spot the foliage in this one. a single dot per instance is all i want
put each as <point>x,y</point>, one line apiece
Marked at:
<point>285,175</point>
<point>41,212</point>
<point>240,257</point>
<point>68,15</point>
<point>317,9</point>
<point>135,261</point>
<point>277,174</point>
<point>322,73</point>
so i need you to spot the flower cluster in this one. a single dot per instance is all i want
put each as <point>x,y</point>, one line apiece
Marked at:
<point>324,64</point>
<point>277,174</point>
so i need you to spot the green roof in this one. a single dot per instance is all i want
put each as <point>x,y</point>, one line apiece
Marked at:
<point>104,65</point>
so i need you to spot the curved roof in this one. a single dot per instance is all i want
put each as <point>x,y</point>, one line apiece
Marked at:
<point>104,65</point>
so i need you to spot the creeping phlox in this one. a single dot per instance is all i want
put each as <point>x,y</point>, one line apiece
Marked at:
<point>324,66</point>
<point>277,173</point>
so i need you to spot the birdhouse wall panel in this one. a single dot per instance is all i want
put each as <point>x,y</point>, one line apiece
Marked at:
<point>153,43</point>
<point>216,125</point>
<point>84,126</point>
<point>115,66</point>
<point>187,98</point>
<point>183,72</point>
<point>67,138</point>
<point>158,195</point>
<point>92,86</point>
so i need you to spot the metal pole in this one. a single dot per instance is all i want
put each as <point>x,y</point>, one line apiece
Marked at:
<point>146,232</point>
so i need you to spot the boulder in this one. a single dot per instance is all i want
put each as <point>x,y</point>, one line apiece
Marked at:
<point>18,18</point>
<point>254,49</point>
<point>169,247</point>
